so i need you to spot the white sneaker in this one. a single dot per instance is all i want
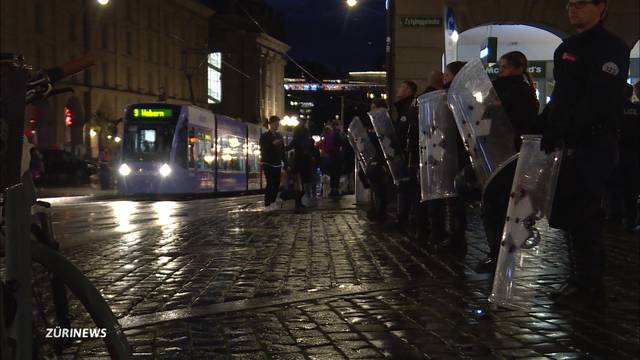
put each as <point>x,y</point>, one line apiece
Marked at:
<point>273,207</point>
<point>268,208</point>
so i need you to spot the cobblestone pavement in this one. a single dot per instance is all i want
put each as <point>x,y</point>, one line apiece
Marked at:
<point>220,278</point>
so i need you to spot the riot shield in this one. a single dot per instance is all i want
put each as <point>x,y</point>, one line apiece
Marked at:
<point>438,150</point>
<point>481,121</point>
<point>387,137</point>
<point>532,192</point>
<point>361,143</point>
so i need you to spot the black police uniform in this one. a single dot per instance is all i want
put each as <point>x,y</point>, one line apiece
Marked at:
<point>376,177</point>
<point>521,107</point>
<point>587,103</point>
<point>630,162</point>
<point>406,128</point>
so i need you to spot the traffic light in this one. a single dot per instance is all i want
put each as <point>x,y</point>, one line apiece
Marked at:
<point>68,116</point>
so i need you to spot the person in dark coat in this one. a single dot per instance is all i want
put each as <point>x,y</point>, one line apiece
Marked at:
<point>587,104</point>
<point>406,129</point>
<point>436,209</point>
<point>272,157</point>
<point>302,144</point>
<point>514,87</point>
<point>629,148</point>
<point>377,173</point>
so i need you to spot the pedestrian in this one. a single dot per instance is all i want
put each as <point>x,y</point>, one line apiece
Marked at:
<point>330,150</point>
<point>302,145</point>
<point>587,104</point>
<point>36,165</point>
<point>436,209</point>
<point>514,87</point>
<point>406,129</point>
<point>104,168</point>
<point>272,158</point>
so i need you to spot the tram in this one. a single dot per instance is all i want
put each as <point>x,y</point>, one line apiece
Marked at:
<point>185,149</point>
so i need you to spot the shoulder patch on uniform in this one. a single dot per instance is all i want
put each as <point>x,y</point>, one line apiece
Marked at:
<point>403,119</point>
<point>569,57</point>
<point>611,68</point>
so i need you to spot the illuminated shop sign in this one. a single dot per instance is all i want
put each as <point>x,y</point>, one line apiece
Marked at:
<point>152,113</point>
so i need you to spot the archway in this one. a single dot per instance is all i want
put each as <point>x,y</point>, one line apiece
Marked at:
<point>536,43</point>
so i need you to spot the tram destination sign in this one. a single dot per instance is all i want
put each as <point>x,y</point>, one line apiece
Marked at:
<point>152,113</point>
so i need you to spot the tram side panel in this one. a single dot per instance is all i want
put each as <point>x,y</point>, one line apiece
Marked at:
<point>253,156</point>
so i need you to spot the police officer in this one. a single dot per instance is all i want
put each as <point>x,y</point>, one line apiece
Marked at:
<point>377,175</point>
<point>630,160</point>
<point>406,128</point>
<point>590,69</point>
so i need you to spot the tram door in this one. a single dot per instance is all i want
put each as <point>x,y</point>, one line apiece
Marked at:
<point>201,158</point>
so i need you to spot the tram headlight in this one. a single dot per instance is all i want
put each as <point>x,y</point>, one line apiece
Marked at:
<point>165,170</point>
<point>124,170</point>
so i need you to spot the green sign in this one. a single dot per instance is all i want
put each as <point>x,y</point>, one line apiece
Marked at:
<point>152,113</point>
<point>421,21</point>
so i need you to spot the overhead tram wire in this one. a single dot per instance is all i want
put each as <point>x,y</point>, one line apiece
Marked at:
<point>285,54</point>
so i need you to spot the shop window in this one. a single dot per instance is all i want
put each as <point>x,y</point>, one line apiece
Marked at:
<point>129,43</point>
<point>72,28</point>
<point>104,36</point>
<point>39,27</point>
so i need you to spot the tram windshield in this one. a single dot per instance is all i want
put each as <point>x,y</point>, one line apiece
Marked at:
<point>148,142</point>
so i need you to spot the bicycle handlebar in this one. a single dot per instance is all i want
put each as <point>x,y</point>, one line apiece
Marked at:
<point>72,67</point>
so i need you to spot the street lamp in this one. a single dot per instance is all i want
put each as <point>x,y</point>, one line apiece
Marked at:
<point>352,3</point>
<point>103,2</point>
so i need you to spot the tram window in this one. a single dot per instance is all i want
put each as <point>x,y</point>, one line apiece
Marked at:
<point>231,152</point>
<point>148,143</point>
<point>200,149</point>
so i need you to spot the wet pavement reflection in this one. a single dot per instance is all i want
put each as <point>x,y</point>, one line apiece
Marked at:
<point>220,278</point>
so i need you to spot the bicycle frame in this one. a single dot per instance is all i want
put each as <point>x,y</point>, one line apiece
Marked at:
<point>16,90</point>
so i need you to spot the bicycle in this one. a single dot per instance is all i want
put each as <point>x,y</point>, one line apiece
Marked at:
<point>31,251</point>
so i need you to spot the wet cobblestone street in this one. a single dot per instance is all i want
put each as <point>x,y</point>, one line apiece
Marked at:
<point>220,278</point>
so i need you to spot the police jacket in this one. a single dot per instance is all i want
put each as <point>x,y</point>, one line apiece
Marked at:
<point>520,104</point>
<point>406,127</point>
<point>630,130</point>
<point>590,70</point>
<point>271,154</point>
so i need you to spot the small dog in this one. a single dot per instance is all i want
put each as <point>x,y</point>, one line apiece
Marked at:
<point>326,186</point>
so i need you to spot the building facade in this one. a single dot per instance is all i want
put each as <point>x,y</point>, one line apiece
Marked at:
<point>252,66</point>
<point>143,48</point>
<point>417,27</point>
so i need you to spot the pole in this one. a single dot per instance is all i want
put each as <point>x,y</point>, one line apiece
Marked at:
<point>342,108</point>
<point>13,87</point>
<point>18,251</point>
<point>390,15</point>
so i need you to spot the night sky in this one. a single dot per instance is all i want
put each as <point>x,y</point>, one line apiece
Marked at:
<point>328,32</point>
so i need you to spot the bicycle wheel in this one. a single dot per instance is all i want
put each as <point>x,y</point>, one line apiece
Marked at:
<point>59,268</point>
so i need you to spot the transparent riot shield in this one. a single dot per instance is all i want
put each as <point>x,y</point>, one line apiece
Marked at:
<point>387,137</point>
<point>481,121</point>
<point>361,143</point>
<point>532,192</point>
<point>438,150</point>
